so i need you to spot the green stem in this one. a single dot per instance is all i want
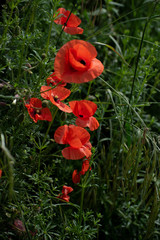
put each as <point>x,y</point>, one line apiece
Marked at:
<point>89,89</point>
<point>8,23</point>
<point>81,206</point>
<point>23,54</point>
<point>49,127</point>
<point>50,124</point>
<point>49,36</point>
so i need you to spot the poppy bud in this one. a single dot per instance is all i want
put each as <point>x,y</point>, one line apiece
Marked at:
<point>44,55</point>
<point>28,65</point>
<point>3,104</point>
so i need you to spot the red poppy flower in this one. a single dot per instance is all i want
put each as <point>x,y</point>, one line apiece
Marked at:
<point>37,112</point>
<point>54,81</point>
<point>56,95</point>
<point>76,62</point>
<point>0,173</point>
<point>65,191</point>
<point>77,138</point>
<point>85,110</point>
<point>70,24</point>
<point>76,176</point>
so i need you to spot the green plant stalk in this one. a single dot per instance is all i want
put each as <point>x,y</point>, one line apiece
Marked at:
<point>138,57</point>
<point>50,124</point>
<point>49,127</point>
<point>81,206</point>
<point>89,89</point>
<point>10,179</point>
<point>8,23</point>
<point>22,50</point>
<point>49,36</point>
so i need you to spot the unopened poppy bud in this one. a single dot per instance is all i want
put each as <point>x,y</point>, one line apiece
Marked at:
<point>45,103</point>
<point>44,55</point>
<point>28,65</point>
<point>63,116</point>
<point>3,104</point>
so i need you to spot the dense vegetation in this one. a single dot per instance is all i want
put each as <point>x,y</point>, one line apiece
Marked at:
<point>118,197</point>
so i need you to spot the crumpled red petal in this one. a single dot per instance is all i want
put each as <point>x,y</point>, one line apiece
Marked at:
<point>72,153</point>
<point>73,30</point>
<point>45,92</point>
<point>76,177</point>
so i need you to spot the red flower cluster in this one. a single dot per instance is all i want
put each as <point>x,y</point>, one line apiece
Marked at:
<point>0,173</point>
<point>65,191</point>
<point>77,138</point>
<point>76,175</point>
<point>69,21</point>
<point>37,112</point>
<point>76,62</point>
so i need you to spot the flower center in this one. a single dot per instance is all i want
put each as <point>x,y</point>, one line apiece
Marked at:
<point>56,99</point>
<point>37,110</point>
<point>83,62</point>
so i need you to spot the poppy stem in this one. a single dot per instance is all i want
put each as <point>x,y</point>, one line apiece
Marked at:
<point>50,124</point>
<point>39,162</point>
<point>89,89</point>
<point>81,206</point>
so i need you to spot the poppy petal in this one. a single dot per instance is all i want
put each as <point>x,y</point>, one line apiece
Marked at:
<point>61,92</point>
<point>86,151</point>
<point>64,15</point>
<point>0,173</point>
<point>66,190</point>
<point>76,177</point>
<point>73,20</point>
<point>88,145</point>
<point>80,77</point>
<point>73,139</point>
<point>59,19</point>
<point>54,81</point>
<point>93,123</point>
<point>60,134</point>
<point>45,92</point>
<point>35,102</point>
<point>73,30</point>
<point>63,107</point>
<point>82,122</point>
<point>80,132</point>
<point>85,167</point>
<point>46,114</point>
<point>72,153</point>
